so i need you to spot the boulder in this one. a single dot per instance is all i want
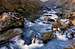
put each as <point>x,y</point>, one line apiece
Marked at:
<point>9,34</point>
<point>70,48</point>
<point>11,25</point>
<point>47,37</point>
<point>73,47</point>
<point>8,21</point>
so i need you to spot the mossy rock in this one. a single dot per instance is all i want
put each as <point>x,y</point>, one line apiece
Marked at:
<point>47,37</point>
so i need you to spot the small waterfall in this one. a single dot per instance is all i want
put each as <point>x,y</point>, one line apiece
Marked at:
<point>38,43</point>
<point>61,36</point>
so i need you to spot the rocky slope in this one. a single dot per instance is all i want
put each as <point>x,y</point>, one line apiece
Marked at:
<point>10,26</point>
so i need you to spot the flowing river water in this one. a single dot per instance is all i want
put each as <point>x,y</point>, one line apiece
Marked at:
<point>38,28</point>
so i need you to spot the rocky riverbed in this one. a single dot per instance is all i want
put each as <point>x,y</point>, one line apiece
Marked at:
<point>16,32</point>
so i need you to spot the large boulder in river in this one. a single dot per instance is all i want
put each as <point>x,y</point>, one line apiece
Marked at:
<point>47,37</point>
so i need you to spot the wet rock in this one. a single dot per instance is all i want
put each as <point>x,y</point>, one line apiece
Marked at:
<point>11,25</point>
<point>69,48</point>
<point>9,34</point>
<point>72,47</point>
<point>8,21</point>
<point>47,37</point>
<point>61,25</point>
<point>56,26</point>
<point>72,18</point>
